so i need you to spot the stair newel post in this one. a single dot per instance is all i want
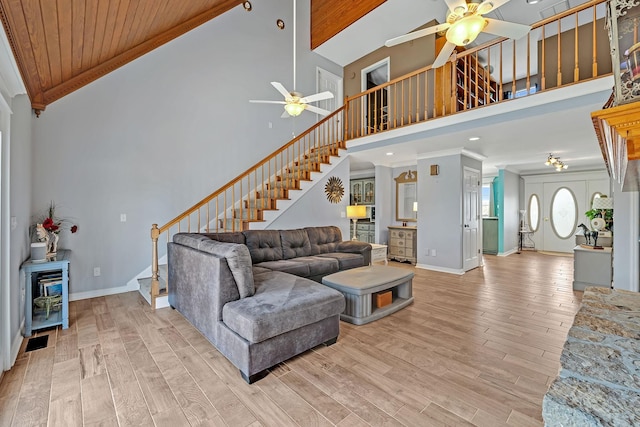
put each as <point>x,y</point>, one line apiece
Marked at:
<point>155,285</point>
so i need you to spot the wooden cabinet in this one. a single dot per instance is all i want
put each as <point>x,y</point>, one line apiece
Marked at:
<point>366,232</point>
<point>470,85</point>
<point>46,293</point>
<point>403,244</point>
<point>363,191</point>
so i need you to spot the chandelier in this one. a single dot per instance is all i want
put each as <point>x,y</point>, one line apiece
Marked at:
<point>556,163</point>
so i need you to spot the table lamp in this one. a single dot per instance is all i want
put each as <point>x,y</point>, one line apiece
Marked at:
<point>354,213</point>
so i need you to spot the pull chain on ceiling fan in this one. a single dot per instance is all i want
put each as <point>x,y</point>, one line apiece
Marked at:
<point>464,23</point>
<point>294,102</point>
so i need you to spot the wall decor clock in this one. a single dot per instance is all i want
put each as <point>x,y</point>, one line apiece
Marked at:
<point>334,189</point>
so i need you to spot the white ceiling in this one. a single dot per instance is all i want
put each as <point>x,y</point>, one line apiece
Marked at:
<point>517,135</point>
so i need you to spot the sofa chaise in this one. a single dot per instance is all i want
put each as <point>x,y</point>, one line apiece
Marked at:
<point>254,294</point>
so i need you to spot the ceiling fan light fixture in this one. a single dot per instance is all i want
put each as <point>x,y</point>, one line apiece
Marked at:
<point>294,108</point>
<point>485,7</point>
<point>465,30</point>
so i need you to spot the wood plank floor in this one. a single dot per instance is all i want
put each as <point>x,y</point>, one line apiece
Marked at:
<point>477,349</point>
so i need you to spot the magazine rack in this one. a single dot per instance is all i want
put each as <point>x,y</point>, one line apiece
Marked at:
<point>45,282</point>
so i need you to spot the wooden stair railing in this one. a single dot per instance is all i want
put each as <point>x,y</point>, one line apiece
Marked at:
<point>488,74</point>
<point>244,199</point>
<point>496,71</point>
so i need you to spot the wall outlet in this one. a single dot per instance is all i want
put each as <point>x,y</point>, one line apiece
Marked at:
<point>123,217</point>
<point>14,223</point>
<point>96,271</point>
<point>433,252</point>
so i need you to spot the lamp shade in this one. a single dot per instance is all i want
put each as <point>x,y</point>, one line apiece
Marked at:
<point>602,203</point>
<point>294,109</point>
<point>465,30</point>
<point>356,211</point>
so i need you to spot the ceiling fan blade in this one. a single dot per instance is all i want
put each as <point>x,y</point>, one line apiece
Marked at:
<point>506,29</point>
<point>266,102</point>
<point>444,55</point>
<point>281,89</point>
<point>285,115</point>
<point>318,110</point>
<point>417,34</point>
<point>460,5</point>
<point>317,97</point>
<point>489,5</point>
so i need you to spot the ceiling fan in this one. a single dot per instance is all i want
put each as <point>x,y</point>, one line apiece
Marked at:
<point>464,23</point>
<point>294,102</point>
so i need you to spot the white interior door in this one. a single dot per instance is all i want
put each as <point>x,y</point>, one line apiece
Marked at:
<point>332,83</point>
<point>562,210</point>
<point>471,218</point>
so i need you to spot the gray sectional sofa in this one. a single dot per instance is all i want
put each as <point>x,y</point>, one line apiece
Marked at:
<point>254,295</point>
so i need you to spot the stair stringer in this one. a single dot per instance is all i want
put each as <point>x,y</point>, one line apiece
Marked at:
<point>295,194</point>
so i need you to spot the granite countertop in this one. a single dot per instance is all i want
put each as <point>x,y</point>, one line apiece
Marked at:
<point>599,379</point>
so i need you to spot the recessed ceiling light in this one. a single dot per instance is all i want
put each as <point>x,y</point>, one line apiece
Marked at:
<point>389,154</point>
<point>474,138</point>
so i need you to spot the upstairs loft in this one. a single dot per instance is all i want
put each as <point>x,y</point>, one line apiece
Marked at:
<point>541,87</point>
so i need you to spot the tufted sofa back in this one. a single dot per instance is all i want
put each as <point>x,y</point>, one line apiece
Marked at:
<point>323,239</point>
<point>264,245</point>
<point>295,243</point>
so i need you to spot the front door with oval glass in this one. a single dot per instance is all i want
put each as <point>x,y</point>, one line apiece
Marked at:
<point>561,213</point>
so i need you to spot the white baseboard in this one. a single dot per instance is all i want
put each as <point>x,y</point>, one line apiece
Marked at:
<point>512,251</point>
<point>16,343</point>
<point>457,271</point>
<point>104,292</point>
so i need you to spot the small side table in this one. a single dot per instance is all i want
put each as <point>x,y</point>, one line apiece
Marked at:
<point>378,253</point>
<point>33,274</point>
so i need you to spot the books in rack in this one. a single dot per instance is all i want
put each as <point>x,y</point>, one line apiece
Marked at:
<point>50,283</point>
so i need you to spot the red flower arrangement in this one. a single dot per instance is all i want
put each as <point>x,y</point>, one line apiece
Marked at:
<point>52,224</point>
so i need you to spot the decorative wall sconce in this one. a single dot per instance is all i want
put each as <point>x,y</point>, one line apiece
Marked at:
<point>247,6</point>
<point>280,24</point>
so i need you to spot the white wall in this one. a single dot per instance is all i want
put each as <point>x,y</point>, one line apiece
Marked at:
<point>20,204</point>
<point>385,203</point>
<point>313,208</point>
<point>157,135</point>
<point>440,214</point>
<point>511,216</point>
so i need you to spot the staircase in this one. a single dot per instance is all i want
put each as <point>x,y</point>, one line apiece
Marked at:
<point>256,197</point>
<point>253,199</point>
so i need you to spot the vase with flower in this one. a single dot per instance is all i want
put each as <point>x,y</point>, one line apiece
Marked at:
<point>46,231</point>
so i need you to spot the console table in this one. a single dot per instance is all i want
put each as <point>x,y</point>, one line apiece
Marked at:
<point>36,276</point>
<point>591,267</point>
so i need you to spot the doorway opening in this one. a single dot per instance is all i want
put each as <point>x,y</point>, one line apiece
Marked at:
<point>376,110</point>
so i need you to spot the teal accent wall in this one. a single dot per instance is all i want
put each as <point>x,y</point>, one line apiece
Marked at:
<point>498,200</point>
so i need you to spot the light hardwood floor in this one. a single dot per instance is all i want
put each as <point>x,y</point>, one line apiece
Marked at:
<point>476,349</point>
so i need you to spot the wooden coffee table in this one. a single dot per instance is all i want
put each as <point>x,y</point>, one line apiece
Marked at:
<point>359,285</point>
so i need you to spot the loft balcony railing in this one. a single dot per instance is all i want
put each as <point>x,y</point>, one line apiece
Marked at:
<point>565,49</point>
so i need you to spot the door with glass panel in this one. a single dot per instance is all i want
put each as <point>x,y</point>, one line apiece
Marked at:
<point>561,214</point>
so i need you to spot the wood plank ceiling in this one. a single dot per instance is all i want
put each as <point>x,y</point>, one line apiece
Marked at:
<point>329,17</point>
<point>63,45</point>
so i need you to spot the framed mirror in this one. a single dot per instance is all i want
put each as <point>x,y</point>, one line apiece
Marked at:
<point>407,196</point>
